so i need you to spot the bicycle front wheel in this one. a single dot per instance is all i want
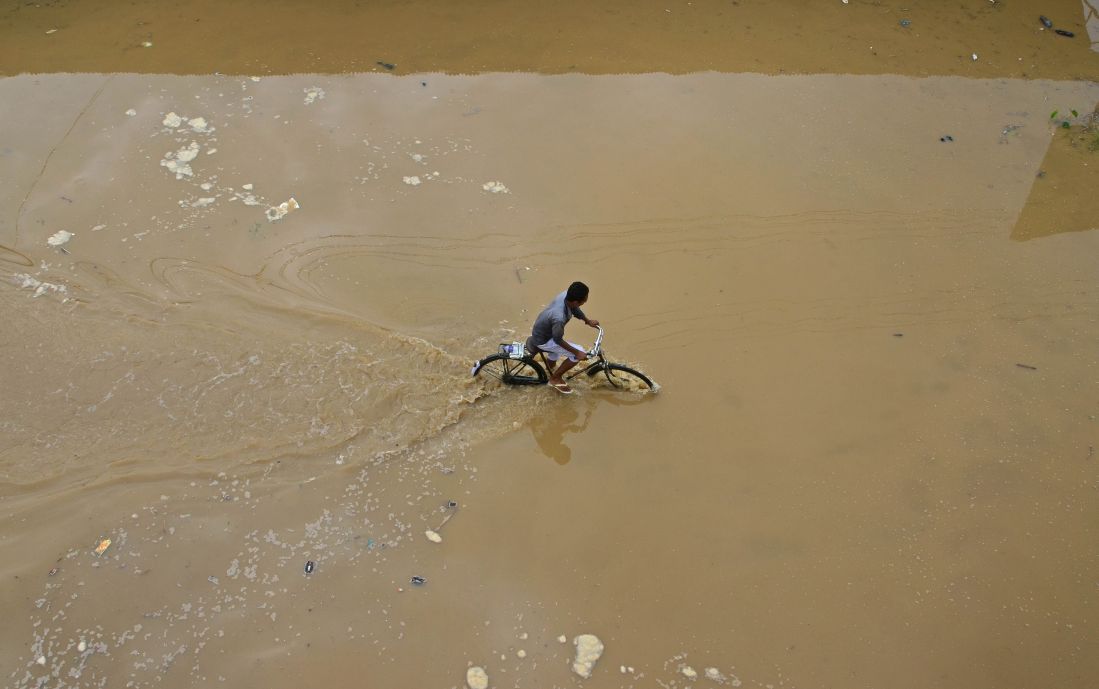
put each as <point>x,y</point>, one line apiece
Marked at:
<point>510,371</point>
<point>622,378</point>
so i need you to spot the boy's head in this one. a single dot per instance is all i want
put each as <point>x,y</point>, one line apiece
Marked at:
<point>577,292</point>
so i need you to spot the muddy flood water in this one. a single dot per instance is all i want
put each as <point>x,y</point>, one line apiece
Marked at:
<point>250,251</point>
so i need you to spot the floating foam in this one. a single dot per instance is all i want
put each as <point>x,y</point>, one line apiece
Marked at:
<point>588,650</point>
<point>495,187</point>
<point>172,120</point>
<point>60,237</point>
<point>477,678</point>
<point>313,94</point>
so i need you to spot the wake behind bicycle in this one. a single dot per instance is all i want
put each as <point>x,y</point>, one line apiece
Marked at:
<point>513,364</point>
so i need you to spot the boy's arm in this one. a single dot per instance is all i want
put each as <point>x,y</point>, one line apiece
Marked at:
<point>580,314</point>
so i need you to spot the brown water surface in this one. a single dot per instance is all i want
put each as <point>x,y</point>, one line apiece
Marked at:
<point>871,462</point>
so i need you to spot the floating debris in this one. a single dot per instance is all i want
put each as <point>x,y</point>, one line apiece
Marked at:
<point>102,547</point>
<point>388,65</point>
<point>310,566</point>
<point>477,678</point>
<point>413,181</point>
<point>179,163</point>
<point>313,94</point>
<point>1045,22</point>
<point>1027,367</point>
<point>59,238</point>
<point>946,138</point>
<point>278,212</point>
<point>688,672</point>
<point>495,187</point>
<point>82,646</point>
<point>418,581</point>
<point>172,120</point>
<point>1062,32</point>
<point>198,124</point>
<point>146,44</point>
<point>131,112</point>
<point>588,650</point>
<point>433,536</point>
<point>52,572</point>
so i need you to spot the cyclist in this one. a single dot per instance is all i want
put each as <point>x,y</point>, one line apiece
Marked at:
<point>548,334</point>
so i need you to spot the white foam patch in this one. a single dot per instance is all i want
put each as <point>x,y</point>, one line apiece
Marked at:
<point>495,187</point>
<point>433,536</point>
<point>588,650</point>
<point>26,281</point>
<point>59,238</point>
<point>477,678</point>
<point>199,124</point>
<point>172,120</point>
<point>412,181</point>
<point>179,162</point>
<point>313,94</point>
<point>131,112</point>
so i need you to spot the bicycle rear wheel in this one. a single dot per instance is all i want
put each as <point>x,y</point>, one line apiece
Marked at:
<point>525,371</point>
<point>622,377</point>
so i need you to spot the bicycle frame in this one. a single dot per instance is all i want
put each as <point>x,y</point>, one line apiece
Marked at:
<point>595,351</point>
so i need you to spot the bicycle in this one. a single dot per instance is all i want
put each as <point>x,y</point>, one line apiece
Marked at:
<point>514,365</point>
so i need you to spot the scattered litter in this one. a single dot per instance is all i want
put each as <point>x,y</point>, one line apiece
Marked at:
<point>172,120</point>
<point>477,678</point>
<point>433,537</point>
<point>310,566</point>
<point>146,44</point>
<point>102,547</point>
<point>388,65</point>
<point>131,112</point>
<point>906,23</point>
<point>213,580</point>
<point>254,78</point>
<point>59,238</point>
<point>495,187</point>
<point>974,57</point>
<point>562,639</point>
<point>278,212</point>
<point>1027,367</point>
<point>1045,22</point>
<point>51,31</point>
<point>946,138</point>
<point>521,653</point>
<point>52,572</point>
<point>418,581</point>
<point>1062,32</point>
<point>247,187</point>
<point>211,152</point>
<point>588,650</point>
<point>313,94</point>
<point>412,181</point>
<point>82,646</point>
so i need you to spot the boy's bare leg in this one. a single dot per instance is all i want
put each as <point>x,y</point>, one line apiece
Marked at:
<point>555,376</point>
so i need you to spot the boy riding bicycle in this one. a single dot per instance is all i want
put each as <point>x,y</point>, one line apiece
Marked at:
<point>548,334</point>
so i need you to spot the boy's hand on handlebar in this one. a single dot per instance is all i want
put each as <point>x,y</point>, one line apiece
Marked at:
<point>592,323</point>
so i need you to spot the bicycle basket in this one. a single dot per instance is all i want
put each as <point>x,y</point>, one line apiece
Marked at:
<point>514,350</point>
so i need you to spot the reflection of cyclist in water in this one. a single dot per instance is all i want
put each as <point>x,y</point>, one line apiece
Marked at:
<point>548,334</point>
<point>549,429</point>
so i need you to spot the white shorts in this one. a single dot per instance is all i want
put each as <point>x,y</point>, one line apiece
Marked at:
<point>555,351</point>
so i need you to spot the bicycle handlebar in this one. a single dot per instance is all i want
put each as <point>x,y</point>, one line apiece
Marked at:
<point>594,351</point>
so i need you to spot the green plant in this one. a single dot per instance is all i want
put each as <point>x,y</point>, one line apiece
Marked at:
<point>1064,122</point>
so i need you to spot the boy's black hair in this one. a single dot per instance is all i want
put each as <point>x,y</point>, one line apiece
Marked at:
<point>578,291</point>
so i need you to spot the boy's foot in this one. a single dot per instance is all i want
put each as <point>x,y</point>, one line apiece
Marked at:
<point>562,388</point>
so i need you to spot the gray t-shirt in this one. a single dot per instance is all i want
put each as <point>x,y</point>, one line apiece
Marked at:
<point>550,324</point>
